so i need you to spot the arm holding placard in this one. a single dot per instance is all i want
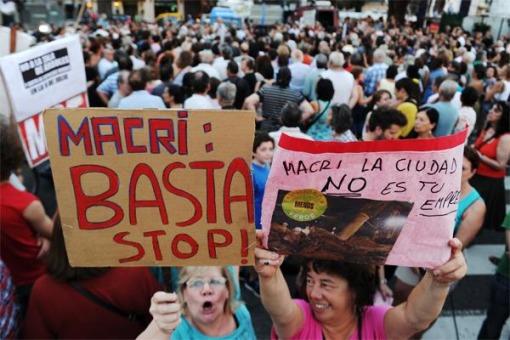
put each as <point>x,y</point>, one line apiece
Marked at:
<point>166,313</point>
<point>274,292</point>
<point>427,299</point>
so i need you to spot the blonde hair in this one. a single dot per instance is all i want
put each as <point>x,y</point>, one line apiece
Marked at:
<point>188,272</point>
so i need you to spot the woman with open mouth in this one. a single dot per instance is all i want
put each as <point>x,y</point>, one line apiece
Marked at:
<point>204,307</point>
<point>339,297</point>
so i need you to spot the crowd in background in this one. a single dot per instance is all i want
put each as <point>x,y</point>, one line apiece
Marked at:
<point>368,80</point>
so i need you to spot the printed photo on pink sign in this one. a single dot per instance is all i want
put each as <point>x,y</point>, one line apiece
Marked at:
<point>380,202</point>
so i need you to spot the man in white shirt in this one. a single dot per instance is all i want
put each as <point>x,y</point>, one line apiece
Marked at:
<point>343,81</point>
<point>220,63</point>
<point>200,99</point>
<point>206,59</point>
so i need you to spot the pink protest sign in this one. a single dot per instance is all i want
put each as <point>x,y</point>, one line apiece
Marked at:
<point>378,202</point>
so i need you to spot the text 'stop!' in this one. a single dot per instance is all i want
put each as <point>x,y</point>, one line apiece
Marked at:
<point>148,187</point>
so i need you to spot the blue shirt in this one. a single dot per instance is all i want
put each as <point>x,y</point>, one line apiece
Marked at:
<point>448,116</point>
<point>244,330</point>
<point>464,204</point>
<point>374,73</point>
<point>259,174</point>
<point>141,100</point>
<point>110,84</point>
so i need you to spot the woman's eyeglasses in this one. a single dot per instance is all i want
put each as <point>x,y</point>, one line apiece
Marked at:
<point>199,284</point>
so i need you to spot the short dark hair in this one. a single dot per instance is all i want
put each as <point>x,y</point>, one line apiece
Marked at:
<point>360,278</point>
<point>249,63</point>
<point>123,60</point>
<point>283,77</point>
<point>472,156</point>
<point>385,118</point>
<point>264,67</point>
<point>261,137</point>
<point>11,154</point>
<point>391,71</point>
<point>291,114</point>
<point>177,92</point>
<point>412,89</point>
<point>433,116</point>
<point>166,71</point>
<point>232,67</point>
<point>341,118</point>
<point>200,82</point>
<point>324,89</point>
<point>469,96</point>
<point>138,79</point>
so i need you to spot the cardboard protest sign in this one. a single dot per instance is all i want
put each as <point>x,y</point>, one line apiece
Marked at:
<point>44,76</point>
<point>148,187</point>
<point>379,202</point>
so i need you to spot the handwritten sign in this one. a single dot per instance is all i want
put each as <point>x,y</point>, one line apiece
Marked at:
<point>390,202</point>
<point>148,187</point>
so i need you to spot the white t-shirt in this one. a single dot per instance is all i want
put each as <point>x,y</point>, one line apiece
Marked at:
<point>198,101</point>
<point>209,69</point>
<point>467,116</point>
<point>343,83</point>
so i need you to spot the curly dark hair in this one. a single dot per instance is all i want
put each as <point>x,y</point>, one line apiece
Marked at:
<point>11,154</point>
<point>361,279</point>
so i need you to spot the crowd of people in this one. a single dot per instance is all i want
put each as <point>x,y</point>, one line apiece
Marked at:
<point>368,80</point>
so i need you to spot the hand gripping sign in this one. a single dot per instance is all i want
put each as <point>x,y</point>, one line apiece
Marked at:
<point>378,202</point>
<point>148,187</point>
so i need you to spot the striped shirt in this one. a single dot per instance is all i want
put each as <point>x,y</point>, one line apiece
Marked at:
<point>274,98</point>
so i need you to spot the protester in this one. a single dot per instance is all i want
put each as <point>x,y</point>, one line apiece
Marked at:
<point>242,88</point>
<point>226,96</point>
<point>140,98</point>
<point>317,125</point>
<point>426,123</point>
<point>388,83</point>
<point>173,96</point>
<point>376,72</point>
<point>203,308</point>
<point>25,229</point>
<point>448,114</point>
<point>272,99</point>
<point>123,89</point>
<point>382,98</point>
<point>407,93</point>
<point>385,123</point>
<point>493,147</point>
<point>338,299</point>
<point>70,302</point>
<point>200,98</point>
<point>341,123</point>
<point>358,101</point>
<point>291,118</point>
<point>299,71</point>
<point>263,147</point>
<point>343,81</point>
<point>313,76</point>
<point>467,113</point>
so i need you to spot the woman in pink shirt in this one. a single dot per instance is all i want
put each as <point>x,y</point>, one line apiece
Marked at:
<point>338,299</point>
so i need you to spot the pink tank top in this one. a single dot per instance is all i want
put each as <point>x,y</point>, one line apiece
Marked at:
<point>372,325</point>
